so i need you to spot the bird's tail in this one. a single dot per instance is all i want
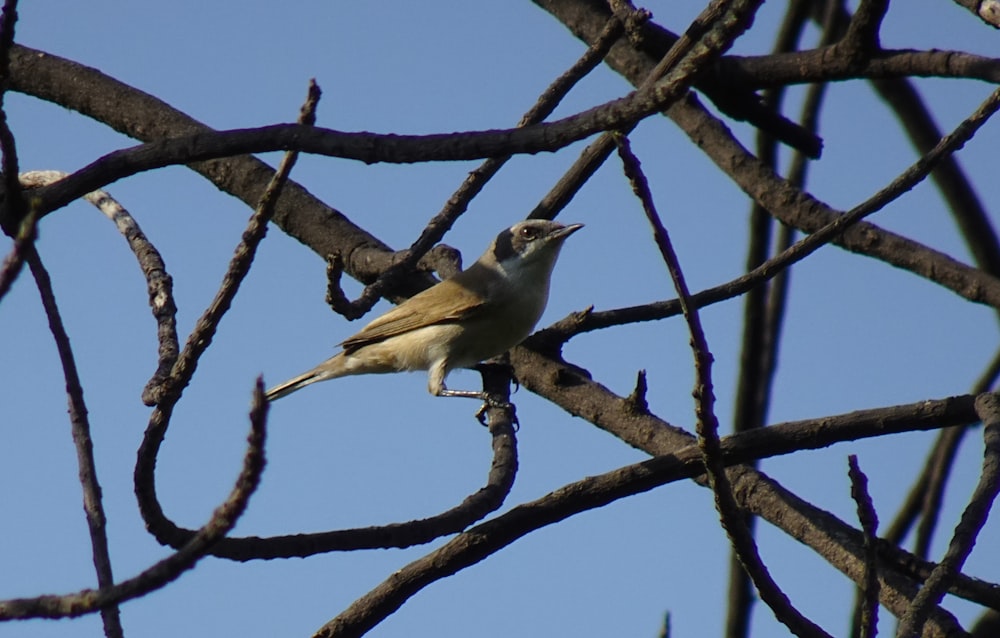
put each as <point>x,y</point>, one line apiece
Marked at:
<point>329,369</point>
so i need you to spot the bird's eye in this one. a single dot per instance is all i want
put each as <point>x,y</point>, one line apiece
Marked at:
<point>528,233</point>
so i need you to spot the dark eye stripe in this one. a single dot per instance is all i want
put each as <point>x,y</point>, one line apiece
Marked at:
<point>504,248</point>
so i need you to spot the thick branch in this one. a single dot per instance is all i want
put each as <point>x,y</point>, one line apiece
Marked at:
<point>838,543</point>
<point>485,539</point>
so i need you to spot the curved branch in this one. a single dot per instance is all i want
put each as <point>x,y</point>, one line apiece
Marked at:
<point>487,499</point>
<point>222,521</point>
<point>472,509</point>
<point>159,283</point>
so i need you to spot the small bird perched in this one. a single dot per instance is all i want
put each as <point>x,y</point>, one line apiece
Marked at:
<point>479,313</point>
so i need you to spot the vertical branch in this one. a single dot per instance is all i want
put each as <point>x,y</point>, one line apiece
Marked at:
<point>80,425</point>
<point>707,424</point>
<point>13,204</point>
<point>762,315</point>
<point>938,464</point>
<point>868,614</point>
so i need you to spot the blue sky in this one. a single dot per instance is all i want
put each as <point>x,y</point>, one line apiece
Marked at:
<point>370,450</point>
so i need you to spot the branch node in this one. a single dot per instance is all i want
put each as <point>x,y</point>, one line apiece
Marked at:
<point>633,20</point>
<point>636,402</point>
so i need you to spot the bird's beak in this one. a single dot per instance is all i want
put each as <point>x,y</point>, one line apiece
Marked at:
<point>565,231</point>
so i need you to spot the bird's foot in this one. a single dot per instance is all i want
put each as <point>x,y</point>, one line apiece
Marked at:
<point>489,403</point>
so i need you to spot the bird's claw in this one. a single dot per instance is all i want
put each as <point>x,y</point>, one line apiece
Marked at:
<point>491,402</point>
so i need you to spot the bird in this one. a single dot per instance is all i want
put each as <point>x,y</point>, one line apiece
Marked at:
<point>480,313</point>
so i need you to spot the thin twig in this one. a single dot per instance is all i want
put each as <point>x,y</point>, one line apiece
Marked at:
<point>924,499</point>
<point>968,528</point>
<point>93,506</point>
<point>707,423</point>
<point>223,519</point>
<point>204,330</point>
<point>937,480</point>
<point>868,616</point>
<point>763,314</point>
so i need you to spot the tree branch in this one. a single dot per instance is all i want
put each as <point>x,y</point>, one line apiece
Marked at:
<point>477,179</point>
<point>169,569</point>
<point>93,506</point>
<point>477,543</point>
<point>708,425</point>
<point>572,389</point>
<point>973,519</point>
<point>867,616</point>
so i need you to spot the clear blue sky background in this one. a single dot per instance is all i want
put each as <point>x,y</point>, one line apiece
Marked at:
<point>374,450</point>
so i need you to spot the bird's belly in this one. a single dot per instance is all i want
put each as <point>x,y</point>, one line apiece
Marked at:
<point>460,344</point>
<point>489,337</point>
<point>415,350</point>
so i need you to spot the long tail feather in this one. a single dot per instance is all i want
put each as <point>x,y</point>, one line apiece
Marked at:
<point>329,369</point>
<point>286,388</point>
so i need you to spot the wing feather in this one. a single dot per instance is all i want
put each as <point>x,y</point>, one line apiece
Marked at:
<point>450,300</point>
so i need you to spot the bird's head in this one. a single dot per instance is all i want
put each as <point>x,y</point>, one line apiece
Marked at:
<point>532,242</point>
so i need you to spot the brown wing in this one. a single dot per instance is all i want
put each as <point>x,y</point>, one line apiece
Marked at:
<point>450,300</point>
